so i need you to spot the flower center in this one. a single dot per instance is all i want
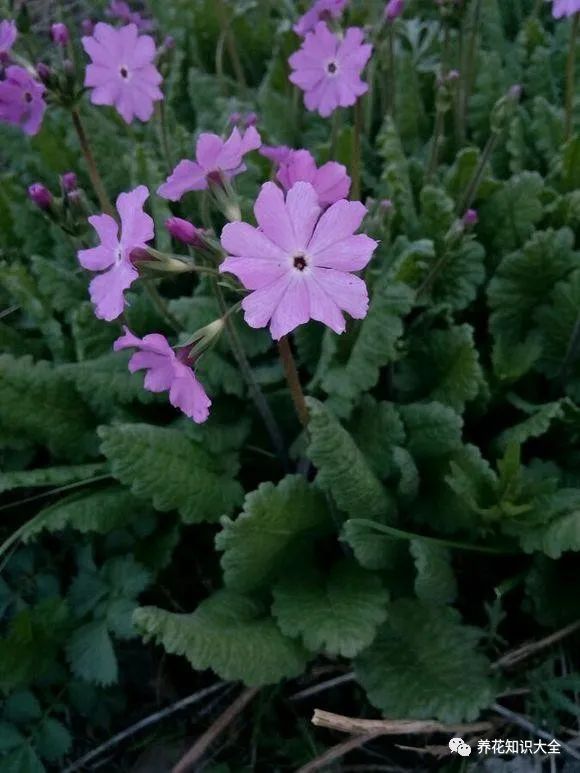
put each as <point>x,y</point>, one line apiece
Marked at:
<point>300,261</point>
<point>124,72</point>
<point>27,96</point>
<point>331,68</point>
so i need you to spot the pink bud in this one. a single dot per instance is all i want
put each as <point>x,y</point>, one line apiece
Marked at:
<point>87,26</point>
<point>184,231</point>
<point>386,205</point>
<point>251,119</point>
<point>235,118</point>
<point>43,71</point>
<point>470,217</point>
<point>139,255</point>
<point>40,195</point>
<point>59,34</point>
<point>69,181</point>
<point>394,9</point>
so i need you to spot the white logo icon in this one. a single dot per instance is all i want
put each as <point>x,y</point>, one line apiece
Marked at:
<point>458,746</point>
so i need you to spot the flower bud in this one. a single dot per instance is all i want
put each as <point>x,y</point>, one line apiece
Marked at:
<point>40,195</point>
<point>184,231</point>
<point>60,34</point>
<point>251,119</point>
<point>470,218</point>
<point>140,255</point>
<point>393,10</point>
<point>44,72</point>
<point>87,26</point>
<point>386,205</point>
<point>69,182</point>
<point>235,118</point>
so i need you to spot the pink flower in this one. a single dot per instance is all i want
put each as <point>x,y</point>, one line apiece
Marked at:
<point>298,262</point>
<point>8,35</point>
<point>277,154</point>
<point>21,100</point>
<point>565,8</point>
<point>113,255</point>
<point>394,9</point>
<point>167,370</point>
<point>119,9</point>
<point>331,181</point>
<point>321,10</point>
<point>123,72</point>
<point>214,157</point>
<point>328,68</point>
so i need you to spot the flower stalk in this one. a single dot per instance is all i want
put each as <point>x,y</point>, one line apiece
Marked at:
<point>95,177</point>
<point>293,380</point>
<point>571,77</point>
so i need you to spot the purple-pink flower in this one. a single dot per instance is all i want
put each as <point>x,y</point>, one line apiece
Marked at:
<point>394,9</point>
<point>562,8</point>
<point>321,10</point>
<point>119,9</point>
<point>215,158</point>
<point>113,255</point>
<point>21,100</point>
<point>331,181</point>
<point>167,370</point>
<point>278,154</point>
<point>122,72</point>
<point>298,261</point>
<point>184,231</point>
<point>328,68</point>
<point>8,35</point>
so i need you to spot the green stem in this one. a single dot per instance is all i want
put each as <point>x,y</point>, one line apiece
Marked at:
<point>356,151</point>
<point>571,77</point>
<point>392,93</point>
<point>468,75</point>
<point>407,535</point>
<point>160,305</point>
<point>94,175</point>
<point>256,393</point>
<point>471,190</point>
<point>334,132</point>
<point>164,135</point>
<point>230,43</point>
<point>293,380</point>
<point>438,133</point>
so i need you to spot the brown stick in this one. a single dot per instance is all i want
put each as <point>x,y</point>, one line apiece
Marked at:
<point>392,726</point>
<point>293,379</point>
<point>336,752</point>
<point>529,649</point>
<point>96,179</point>
<point>205,740</point>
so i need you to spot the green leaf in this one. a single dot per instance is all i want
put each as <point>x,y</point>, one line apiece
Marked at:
<point>437,213</point>
<point>49,476</point>
<point>508,217</point>
<point>534,426</point>
<point>525,279</point>
<point>435,582</point>
<point>277,525</point>
<point>62,287</point>
<point>23,760</point>
<point>336,613</point>
<point>229,633</point>
<point>395,173</point>
<point>374,346</point>
<point>433,430</point>
<point>52,740</point>
<point>174,473</point>
<point>38,402</point>
<point>377,429</point>
<point>105,381</point>
<point>91,655</point>
<point>461,276</point>
<point>101,512</point>
<point>371,549</point>
<point>342,469</point>
<point>571,165</point>
<point>21,707</point>
<point>424,664</point>
<point>442,365</point>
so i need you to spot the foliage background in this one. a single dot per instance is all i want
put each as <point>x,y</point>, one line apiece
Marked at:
<point>438,521</point>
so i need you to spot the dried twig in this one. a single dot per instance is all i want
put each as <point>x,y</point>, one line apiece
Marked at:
<point>529,649</point>
<point>322,686</point>
<point>205,740</point>
<point>152,719</point>
<point>525,724</point>
<point>392,726</point>
<point>336,752</point>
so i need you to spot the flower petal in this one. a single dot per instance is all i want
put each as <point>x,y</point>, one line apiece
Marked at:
<point>260,305</point>
<point>349,292</point>
<point>106,290</point>
<point>240,239</point>
<point>189,396</point>
<point>273,219</point>
<point>187,176</point>
<point>293,308</point>
<point>136,225</point>
<point>255,273</point>
<point>350,254</point>
<point>303,210</point>
<point>339,222</point>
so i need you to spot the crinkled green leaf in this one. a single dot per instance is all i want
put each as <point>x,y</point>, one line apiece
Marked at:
<point>229,633</point>
<point>91,655</point>
<point>435,582</point>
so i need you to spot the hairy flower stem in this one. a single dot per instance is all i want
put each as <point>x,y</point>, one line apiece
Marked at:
<point>164,134</point>
<point>391,93</point>
<point>256,393</point>
<point>160,305</point>
<point>356,150</point>
<point>96,179</point>
<point>475,182</point>
<point>438,135</point>
<point>571,77</point>
<point>468,74</point>
<point>230,43</point>
<point>293,380</point>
